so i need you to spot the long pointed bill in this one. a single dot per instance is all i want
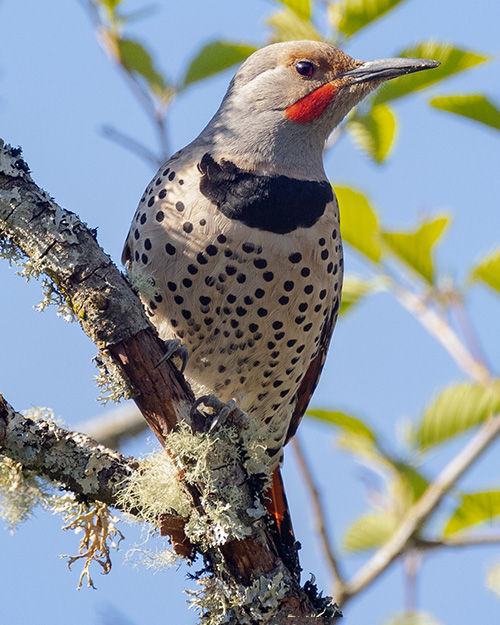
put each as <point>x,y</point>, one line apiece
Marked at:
<point>385,69</point>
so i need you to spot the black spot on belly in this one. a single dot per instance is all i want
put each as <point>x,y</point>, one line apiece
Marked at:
<point>273,203</point>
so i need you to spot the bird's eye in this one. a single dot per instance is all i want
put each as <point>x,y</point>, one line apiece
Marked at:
<point>305,68</point>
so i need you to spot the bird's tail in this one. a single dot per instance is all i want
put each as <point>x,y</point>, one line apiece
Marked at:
<point>277,507</point>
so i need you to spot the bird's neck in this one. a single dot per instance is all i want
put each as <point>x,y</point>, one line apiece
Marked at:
<point>266,143</point>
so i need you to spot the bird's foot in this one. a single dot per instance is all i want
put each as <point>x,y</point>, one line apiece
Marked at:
<point>222,412</point>
<point>174,347</point>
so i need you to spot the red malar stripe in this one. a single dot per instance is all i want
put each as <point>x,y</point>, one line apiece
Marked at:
<point>312,105</point>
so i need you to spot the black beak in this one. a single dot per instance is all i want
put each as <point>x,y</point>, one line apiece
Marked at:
<point>385,69</point>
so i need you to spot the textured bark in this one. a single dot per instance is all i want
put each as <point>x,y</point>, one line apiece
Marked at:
<point>74,460</point>
<point>64,249</point>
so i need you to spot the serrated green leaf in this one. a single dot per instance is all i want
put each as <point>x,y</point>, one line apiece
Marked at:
<point>493,579</point>
<point>359,224</point>
<point>375,132</point>
<point>474,508</point>
<point>452,59</point>
<point>350,16</point>
<point>215,57</point>
<point>457,409</point>
<point>135,58</point>
<point>412,618</point>
<point>488,270</point>
<point>302,8</point>
<point>346,422</point>
<point>369,531</point>
<point>474,106</point>
<point>288,26</point>
<point>415,248</point>
<point>354,290</point>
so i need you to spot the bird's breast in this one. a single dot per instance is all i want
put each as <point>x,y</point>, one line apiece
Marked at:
<point>278,204</point>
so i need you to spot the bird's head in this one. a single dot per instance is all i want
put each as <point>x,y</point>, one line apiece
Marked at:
<point>288,97</point>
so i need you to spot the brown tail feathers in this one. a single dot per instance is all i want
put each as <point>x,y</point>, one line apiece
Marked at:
<point>277,506</point>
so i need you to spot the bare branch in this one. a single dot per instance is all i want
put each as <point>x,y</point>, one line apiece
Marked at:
<point>320,515</point>
<point>129,143</point>
<point>458,541</point>
<point>423,508</point>
<point>115,426</point>
<point>438,327</point>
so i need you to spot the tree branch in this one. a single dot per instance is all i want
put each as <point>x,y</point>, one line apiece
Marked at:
<point>422,509</point>
<point>442,332</point>
<point>458,541</point>
<point>115,426</point>
<point>320,515</point>
<point>74,460</point>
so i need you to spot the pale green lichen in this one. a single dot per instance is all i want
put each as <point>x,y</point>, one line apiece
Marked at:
<point>21,491</point>
<point>111,381</point>
<point>52,296</point>
<point>206,459</point>
<point>156,560</point>
<point>141,283</point>
<point>42,413</point>
<point>221,604</point>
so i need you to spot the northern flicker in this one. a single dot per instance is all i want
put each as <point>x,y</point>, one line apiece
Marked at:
<point>235,247</point>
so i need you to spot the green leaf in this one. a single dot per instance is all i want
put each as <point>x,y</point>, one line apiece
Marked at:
<point>375,132</point>
<point>354,290</point>
<point>370,531</point>
<point>302,8</point>
<point>412,618</point>
<point>349,16</point>
<point>135,58</point>
<point>457,409</point>
<point>453,60</point>
<point>346,422</point>
<point>474,508</point>
<point>415,248</point>
<point>215,57</point>
<point>475,106</point>
<point>488,270</point>
<point>412,479</point>
<point>359,223</point>
<point>288,26</point>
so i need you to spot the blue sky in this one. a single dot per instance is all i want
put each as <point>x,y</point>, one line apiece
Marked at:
<point>56,90</point>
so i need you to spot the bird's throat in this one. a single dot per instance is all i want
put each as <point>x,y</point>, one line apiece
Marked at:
<point>312,105</point>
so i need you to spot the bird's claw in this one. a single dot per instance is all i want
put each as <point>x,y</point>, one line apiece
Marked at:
<point>222,411</point>
<point>174,347</point>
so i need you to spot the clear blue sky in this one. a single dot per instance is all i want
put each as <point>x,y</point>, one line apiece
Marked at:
<point>56,90</point>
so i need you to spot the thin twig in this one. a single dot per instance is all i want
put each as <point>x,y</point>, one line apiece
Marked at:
<point>459,541</point>
<point>422,509</point>
<point>131,144</point>
<point>320,515</point>
<point>438,327</point>
<point>469,331</point>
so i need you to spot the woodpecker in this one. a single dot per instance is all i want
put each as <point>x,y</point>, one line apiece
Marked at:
<point>235,247</point>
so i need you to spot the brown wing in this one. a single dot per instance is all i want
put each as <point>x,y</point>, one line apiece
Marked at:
<point>311,378</point>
